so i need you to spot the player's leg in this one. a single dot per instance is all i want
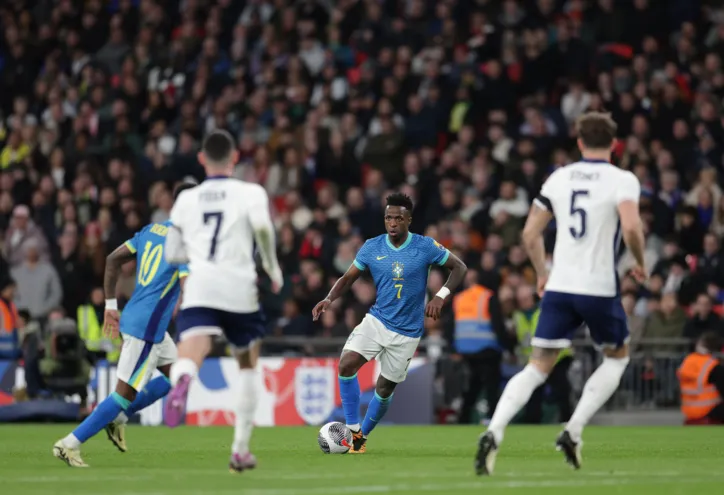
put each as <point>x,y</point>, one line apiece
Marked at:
<point>195,326</point>
<point>350,363</point>
<point>247,398</point>
<point>558,320</point>
<point>362,345</point>
<point>606,322</point>
<point>394,361</point>
<point>136,363</point>
<point>154,390</point>
<point>244,331</point>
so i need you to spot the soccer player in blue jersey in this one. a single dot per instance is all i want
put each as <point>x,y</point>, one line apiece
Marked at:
<point>399,263</point>
<point>146,345</point>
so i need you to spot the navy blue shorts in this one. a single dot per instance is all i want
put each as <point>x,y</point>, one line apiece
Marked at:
<point>562,314</point>
<point>240,329</point>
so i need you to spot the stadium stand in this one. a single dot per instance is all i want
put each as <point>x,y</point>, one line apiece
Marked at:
<point>464,105</point>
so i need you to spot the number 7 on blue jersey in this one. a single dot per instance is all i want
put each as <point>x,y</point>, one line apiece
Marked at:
<point>218,217</point>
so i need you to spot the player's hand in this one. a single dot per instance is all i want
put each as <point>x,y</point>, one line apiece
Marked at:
<point>434,307</point>
<point>639,274</point>
<point>540,284</point>
<point>276,287</point>
<point>320,308</point>
<point>110,323</point>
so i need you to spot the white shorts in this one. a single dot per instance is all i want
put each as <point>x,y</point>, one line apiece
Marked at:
<point>139,359</point>
<point>371,339</point>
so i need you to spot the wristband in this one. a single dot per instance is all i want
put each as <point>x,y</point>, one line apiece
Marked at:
<point>112,304</point>
<point>443,293</point>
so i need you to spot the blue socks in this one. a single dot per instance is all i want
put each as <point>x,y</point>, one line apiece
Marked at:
<point>375,412</point>
<point>101,416</point>
<point>114,404</point>
<point>349,391</point>
<point>154,390</point>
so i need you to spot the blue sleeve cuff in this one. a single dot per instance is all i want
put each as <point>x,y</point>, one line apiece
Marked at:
<point>444,258</point>
<point>359,265</point>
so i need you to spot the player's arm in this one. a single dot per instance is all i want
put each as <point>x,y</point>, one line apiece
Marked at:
<point>539,217</point>
<point>263,229</point>
<point>457,273</point>
<point>341,286</point>
<point>631,225</point>
<point>122,254</point>
<point>173,248</point>
<point>183,273</point>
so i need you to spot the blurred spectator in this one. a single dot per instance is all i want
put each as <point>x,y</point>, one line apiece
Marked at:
<point>39,288</point>
<point>90,328</point>
<point>702,319</point>
<point>22,234</point>
<point>665,322</point>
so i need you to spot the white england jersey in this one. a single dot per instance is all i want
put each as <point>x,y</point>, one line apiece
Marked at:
<point>584,198</point>
<point>217,220</point>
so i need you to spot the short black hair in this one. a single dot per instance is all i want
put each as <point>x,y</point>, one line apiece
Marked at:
<point>400,199</point>
<point>181,188</point>
<point>218,146</point>
<point>710,341</point>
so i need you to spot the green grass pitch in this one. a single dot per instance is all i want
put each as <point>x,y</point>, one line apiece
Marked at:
<point>429,460</point>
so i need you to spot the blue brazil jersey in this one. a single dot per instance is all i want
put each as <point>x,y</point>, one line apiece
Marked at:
<point>400,275</point>
<point>148,313</point>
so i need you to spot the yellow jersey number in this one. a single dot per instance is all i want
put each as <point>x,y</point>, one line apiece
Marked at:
<point>399,290</point>
<point>150,261</point>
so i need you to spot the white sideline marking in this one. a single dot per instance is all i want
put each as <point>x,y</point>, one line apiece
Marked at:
<point>442,487</point>
<point>519,476</point>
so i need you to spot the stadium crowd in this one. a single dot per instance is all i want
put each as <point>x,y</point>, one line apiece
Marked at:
<point>466,106</point>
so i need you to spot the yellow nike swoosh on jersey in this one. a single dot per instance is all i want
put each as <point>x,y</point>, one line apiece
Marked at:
<point>381,258</point>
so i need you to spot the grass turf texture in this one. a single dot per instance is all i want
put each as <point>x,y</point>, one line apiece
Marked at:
<point>429,460</point>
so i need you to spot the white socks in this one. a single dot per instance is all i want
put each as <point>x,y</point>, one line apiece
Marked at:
<point>516,395</point>
<point>598,389</point>
<point>71,442</point>
<point>183,366</point>
<point>354,427</point>
<point>247,397</point>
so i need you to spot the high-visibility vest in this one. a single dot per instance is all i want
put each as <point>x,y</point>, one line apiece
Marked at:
<point>473,328</point>
<point>9,333</point>
<point>525,329</point>
<point>90,330</point>
<point>698,396</point>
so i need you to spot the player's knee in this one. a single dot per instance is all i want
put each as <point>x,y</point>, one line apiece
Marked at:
<point>541,369</point>
<point>125,390</point>
<point>349,364</point>
<point>617,353</point>
<point>165,370</point>
<point>385,388</point>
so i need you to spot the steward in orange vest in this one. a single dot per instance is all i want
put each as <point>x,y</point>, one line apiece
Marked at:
<point>701,379</point>
<point>480,338</point>
<point>9,322</point>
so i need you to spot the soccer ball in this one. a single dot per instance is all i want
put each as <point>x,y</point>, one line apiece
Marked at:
<point>335,438</point>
